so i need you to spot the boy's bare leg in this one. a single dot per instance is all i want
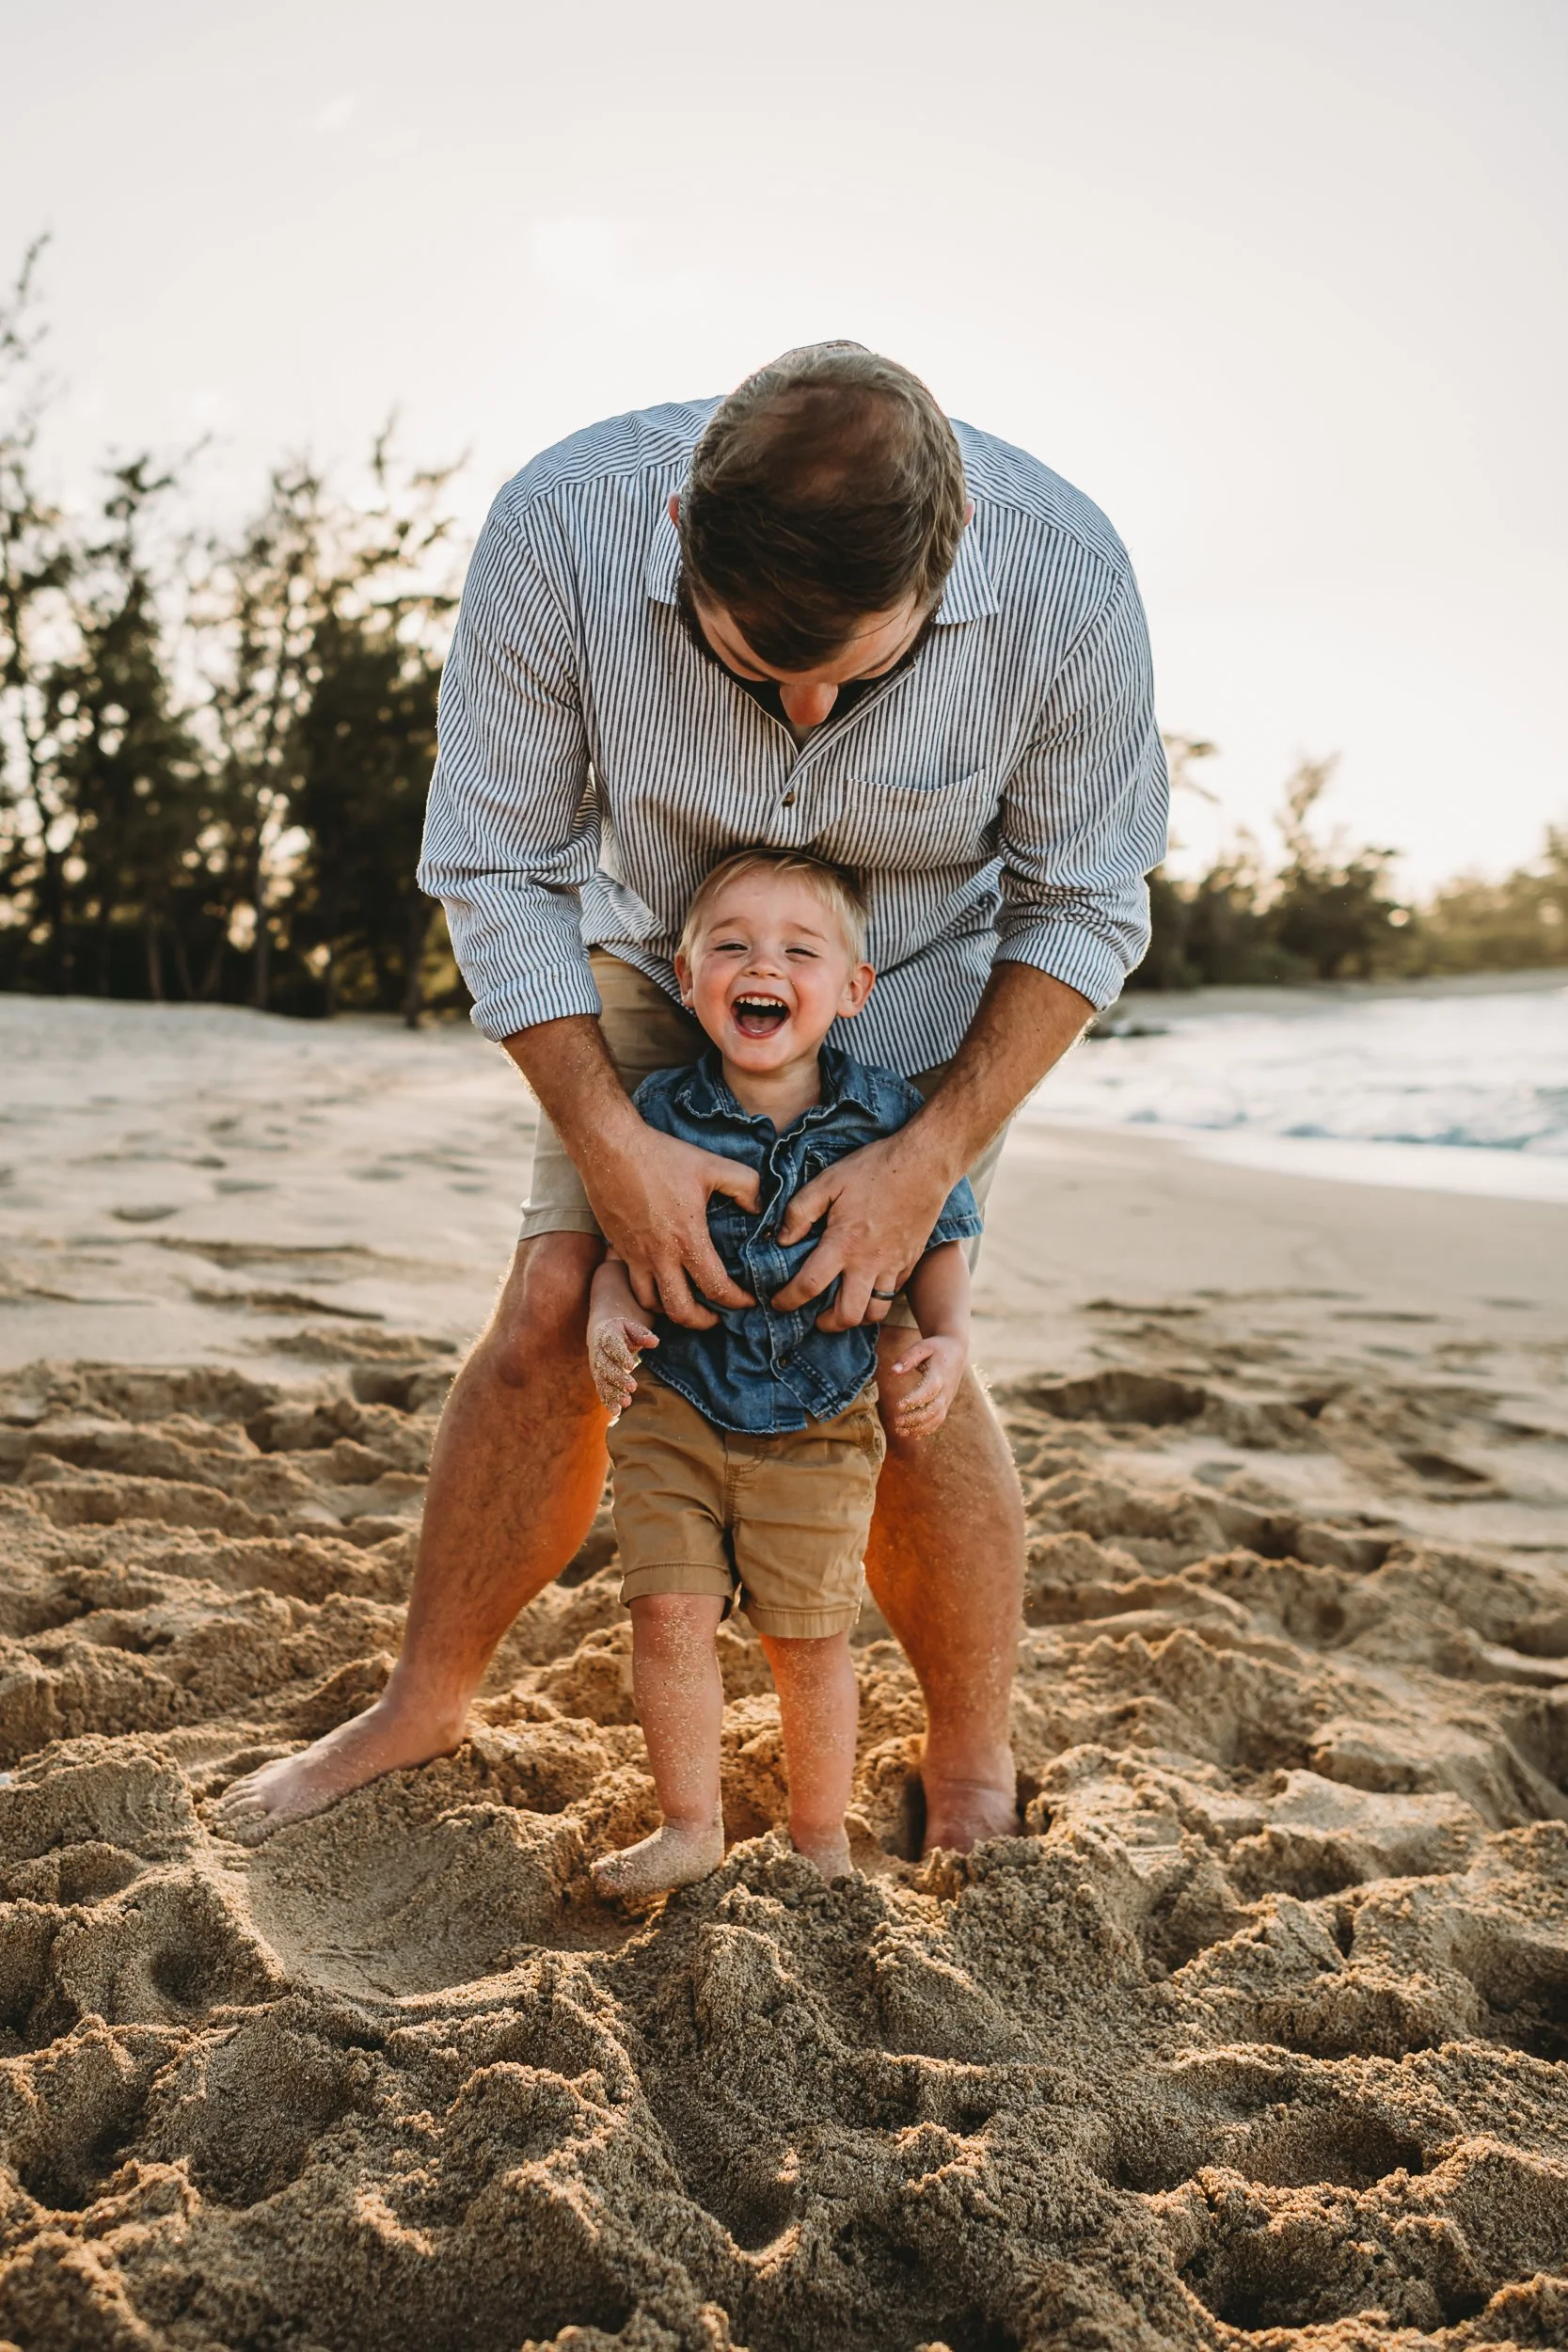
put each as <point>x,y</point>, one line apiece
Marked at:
<point>819,1709</point>
<point>680,1706</point>
<point>515,1481</point>
<point>945,1563</point>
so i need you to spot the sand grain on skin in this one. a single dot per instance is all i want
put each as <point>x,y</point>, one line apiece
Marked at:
<point>1259,2033</point>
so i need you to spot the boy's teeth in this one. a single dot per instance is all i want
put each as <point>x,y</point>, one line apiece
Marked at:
<point>759,1016</point>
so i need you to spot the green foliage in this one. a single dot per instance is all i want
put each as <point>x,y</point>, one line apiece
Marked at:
<point>253,834</point>
<point>1329,912</point>
<point>366,745</point>
<point>1518,923</point>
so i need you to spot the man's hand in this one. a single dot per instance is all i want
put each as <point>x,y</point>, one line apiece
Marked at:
<point>650,1193</point>
<point>881,1205</point>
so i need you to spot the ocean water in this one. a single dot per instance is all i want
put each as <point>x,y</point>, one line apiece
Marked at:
<point>1457,1091</point>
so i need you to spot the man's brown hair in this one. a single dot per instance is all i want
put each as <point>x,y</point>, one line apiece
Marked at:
<point>827,486</point>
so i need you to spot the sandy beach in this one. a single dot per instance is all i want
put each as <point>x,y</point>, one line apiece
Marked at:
<point>1256,2034</point>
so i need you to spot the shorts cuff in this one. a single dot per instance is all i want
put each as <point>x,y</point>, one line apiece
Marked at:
<point>537,1221</point>
<point>802,1625</point>
<point>678,1576</point>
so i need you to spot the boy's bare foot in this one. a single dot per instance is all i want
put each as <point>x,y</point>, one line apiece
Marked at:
<point>830,1853</point>
<point>676,1855</point>
<point>385,1738</point>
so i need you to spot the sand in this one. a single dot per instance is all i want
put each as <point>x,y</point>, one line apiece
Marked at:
<point>1258,2034</point>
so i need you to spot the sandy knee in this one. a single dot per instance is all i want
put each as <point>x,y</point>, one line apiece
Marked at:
<point>538,1333</point>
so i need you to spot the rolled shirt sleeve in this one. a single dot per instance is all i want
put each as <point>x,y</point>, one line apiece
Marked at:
<point>1085,813</point>
<point>512,827</point>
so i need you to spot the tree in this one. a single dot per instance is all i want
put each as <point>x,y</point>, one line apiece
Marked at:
<point>1474,925</point>
<point>254,619</point>
<point>131,782</point>
<point>321,634</point>
<point>100,774</point>
<point>1331,906</point>
<point>38,564</point>
<point>365,749</point>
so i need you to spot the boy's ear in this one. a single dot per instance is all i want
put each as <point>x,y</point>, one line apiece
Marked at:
<point>857,988</point>
<point>683,974</point>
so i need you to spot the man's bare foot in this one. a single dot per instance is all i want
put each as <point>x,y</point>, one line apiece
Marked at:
<point>385,1738</point>
<point>676,1855</point>
<point>961,1813</point>
<point>830,1853</point>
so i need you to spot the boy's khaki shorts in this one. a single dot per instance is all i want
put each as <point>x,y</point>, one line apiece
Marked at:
<point>775,1523</point>
<point>646,1030</point>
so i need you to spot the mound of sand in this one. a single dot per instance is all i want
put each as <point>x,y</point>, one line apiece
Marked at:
<point>1259,2033</point>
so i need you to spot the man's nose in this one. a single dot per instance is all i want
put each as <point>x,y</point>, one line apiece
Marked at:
<point>807,705</point>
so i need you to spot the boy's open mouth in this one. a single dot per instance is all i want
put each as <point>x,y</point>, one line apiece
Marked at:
<point>759,1016</point>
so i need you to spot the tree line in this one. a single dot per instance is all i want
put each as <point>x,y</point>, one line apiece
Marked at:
<point>213,752</point>
<point>214,756</point>
<point>1329,910</point>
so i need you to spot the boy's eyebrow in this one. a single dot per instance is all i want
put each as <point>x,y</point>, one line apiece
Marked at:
<point>716,923</point>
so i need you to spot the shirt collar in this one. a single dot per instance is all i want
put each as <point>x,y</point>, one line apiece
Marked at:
<point>968,596</point>
<point>844,1080</point>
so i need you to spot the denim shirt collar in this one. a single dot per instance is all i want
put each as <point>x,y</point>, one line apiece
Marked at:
<point>706,1095</point>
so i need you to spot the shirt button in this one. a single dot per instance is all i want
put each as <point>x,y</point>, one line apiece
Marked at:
<point>789,801</point>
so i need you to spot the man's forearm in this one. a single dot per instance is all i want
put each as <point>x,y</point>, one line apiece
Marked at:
<point>567,1064</point>
<point>1024,1023</point>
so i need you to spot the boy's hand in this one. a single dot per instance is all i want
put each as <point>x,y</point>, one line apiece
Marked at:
<point>615,1346</point>
<point>920,1410</point>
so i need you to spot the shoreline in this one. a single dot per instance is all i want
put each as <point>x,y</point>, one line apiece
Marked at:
<point>1313,995</point>
<point>174,1195</point>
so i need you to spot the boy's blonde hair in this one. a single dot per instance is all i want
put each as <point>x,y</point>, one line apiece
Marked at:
<point>835,885</point>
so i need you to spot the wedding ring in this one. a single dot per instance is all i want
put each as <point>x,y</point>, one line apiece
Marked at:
<point>885,1293</point>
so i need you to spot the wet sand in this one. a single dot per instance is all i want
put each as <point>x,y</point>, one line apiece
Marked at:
<point>1258,2035</point>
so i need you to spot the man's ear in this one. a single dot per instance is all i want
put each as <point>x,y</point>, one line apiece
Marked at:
<point>674,508</point>
<point>857,988</point>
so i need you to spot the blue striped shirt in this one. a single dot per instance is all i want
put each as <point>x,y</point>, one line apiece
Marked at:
<point>1003,794</point>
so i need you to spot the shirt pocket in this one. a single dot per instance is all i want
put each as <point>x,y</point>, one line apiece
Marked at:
<point>917,827</point>
<point>730,1226</point>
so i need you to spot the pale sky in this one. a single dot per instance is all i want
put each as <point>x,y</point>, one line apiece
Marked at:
<point>1280,283</point>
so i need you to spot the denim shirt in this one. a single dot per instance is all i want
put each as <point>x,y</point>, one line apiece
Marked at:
<point>756,1371</point>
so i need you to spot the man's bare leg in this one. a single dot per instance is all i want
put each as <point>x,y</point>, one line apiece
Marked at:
<point>945,1565</point>
<point>515,1481</point>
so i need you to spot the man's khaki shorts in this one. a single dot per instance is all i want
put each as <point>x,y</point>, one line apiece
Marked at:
<point>646,1030</point>
<point>774,1524</point>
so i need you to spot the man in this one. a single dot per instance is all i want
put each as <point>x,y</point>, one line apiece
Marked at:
<point>814,614</point>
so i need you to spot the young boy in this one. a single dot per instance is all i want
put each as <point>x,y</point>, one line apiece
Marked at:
<point>746,1460</point>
